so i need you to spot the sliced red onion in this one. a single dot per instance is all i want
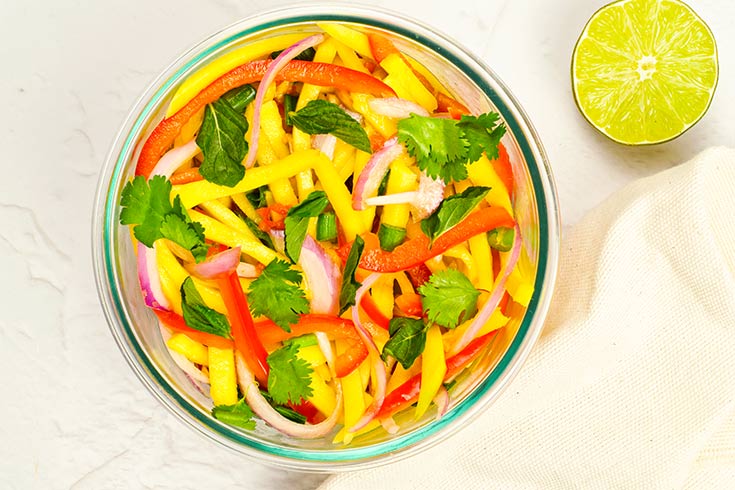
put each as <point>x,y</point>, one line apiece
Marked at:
<point>150,281</point>
<point>441,400</point>
<point>279,240</point>
<point>389,425</point>
<point>497,294</point>
<point>325,345</point>
<point>325,143</point>
<point>265,411</point>
<point>175,158</point>
<point>270,75</point>
<point>246,270</point>
<point>369,179</point>
<point>322,276</point>
<point>424,200</point>
<point>396,107</point>
<point>354,115</point>
<point>378,365</point>
<point>218,265</point>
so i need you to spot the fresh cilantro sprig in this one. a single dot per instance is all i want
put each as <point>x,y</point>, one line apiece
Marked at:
<point>276,294</point>
<point>198,315</point>
<point>323,117</point>
<point>448,298</point>
<point>444,147</point>
<point>240,414</point>
<point>407,340</point>
<point>452,211</point>
<point>147,205</point>
<point>297,222</point>
<point>222,140</point>
<point>349,284</point>
<point>289,378</point>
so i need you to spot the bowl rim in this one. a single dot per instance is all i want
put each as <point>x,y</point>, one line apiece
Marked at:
<point>105,227</point>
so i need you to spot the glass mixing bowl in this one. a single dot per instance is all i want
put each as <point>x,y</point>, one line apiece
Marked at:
<point>136,330</point>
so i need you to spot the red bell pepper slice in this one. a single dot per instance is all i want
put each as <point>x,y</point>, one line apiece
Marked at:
<point>408,393</point>
<point>372,310</point>
<point>177,324</point>
<point>419,275</point>
<point>503,168</point>
<point>418,250</point>
<point>322,74</point>
<point>410,304</point>
<point>350,359</point>
<point>246,340</point>
<point>447,104</point>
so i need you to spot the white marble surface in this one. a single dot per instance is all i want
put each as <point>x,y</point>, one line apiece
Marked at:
<point>73,414</point>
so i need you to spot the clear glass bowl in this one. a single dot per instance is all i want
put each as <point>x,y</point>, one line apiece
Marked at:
<point>136,330</point>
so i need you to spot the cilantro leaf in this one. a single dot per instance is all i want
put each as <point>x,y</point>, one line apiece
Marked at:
<point>289,378</point>
<point>452,210</point>
<point>437,144</point>
<point>198,315</point>
<point>449,298</point>
<point>147,204</point>
<point>349,284</point>
<point>222,140</point>
<point>297,222</point>
<point>239,414</point>
<point>276,294</point>
<point>482,134</point>
<point>407,340</point>
<point>284,410</point>
<point>323,117</point>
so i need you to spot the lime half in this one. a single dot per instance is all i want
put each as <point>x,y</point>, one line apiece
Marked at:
<point>644,71</point>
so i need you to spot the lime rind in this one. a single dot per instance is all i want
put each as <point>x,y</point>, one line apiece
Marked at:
<point>644,71</point>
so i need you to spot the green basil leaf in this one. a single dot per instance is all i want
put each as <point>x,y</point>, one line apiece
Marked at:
<point>198,315</point>
<point>407,340</point>
<point>323,117</point>
<point>349,284</point>
<point>222,140</point>
<point>452,211</point>
<point>297,222</point>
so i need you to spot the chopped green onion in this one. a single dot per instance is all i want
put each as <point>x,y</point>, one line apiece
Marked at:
<point>501,239</point>
<point>390,236</point>
<point>289,105</point>
<point>240,97</point>
<point>383,184</point>
<point>326,227</point>
<point>305,55</point>
<point>301,341</point>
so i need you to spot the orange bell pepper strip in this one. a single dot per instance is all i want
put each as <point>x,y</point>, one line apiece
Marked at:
<point>447,104</point>
<point>186,176</point>
<point>242,328</point>
<point>410,304</point>
<point>176,323</point>
<point>381,47</point>
<point>408,393</point>
<point>372,310</point>
<point>350,359</point>
<point>418,250</point>
<point>503,168</point>
<point>322,74</point>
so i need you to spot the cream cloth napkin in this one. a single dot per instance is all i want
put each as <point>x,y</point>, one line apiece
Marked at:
<point>632,384</point>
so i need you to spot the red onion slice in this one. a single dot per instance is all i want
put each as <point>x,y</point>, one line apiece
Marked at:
<point>150,281</point>
<point>369,179</point>
<point>270,75</point>
<point>497,294</point>
<point>378,365</point>
<point>441,400</point>
<point>265,411</point>
<point>325,346</point>
<point>424,200</point>
<point>218,265</point>
<point>396,107</point>
<point>389,425</point>
<point>246,270</point>
<point>325,143</point>
<point>175,158</point>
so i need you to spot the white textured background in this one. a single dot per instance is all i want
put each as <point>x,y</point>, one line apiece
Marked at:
<point>72,414</point>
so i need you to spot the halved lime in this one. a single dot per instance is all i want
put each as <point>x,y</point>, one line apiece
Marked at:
<point>644,71</point>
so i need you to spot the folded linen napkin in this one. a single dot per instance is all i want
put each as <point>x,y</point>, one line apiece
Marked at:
<point>632,384</point>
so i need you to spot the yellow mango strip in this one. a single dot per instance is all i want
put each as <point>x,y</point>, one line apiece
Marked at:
<point>401,179</point>
<point>322,395</point>
<point>271,125</point>
<point>349,58</point>
<point>246,207</point>
<point>482,173</point>
<point>173,274</point>
<point>195,193</point>
<point>386,126</point>
<point>344,159</point>
<point>404,283</point>
<point>356,40</point>
<point>406,84</point>
<point>428,75</point>
<point>361,159</point>
<point>519,286</point>
<point>433,368</point>
<point>312,354</point>
<point>353,401</point>
<point>382,295</point>
<point>497,320</point>
<point>191,349</point>
<point>190,128</point>
<point>461,253</point>
<point>480,250</point>
<point>401,375</point>
<point>222,378</point>
<point>364,370</point>
<point>217,232</point>
<point>267,154</point>
<point>436,264</point>
<point>340,437</point>
<point>323,371</point>
<point>222,64</point>
<point>353,222</point>
<point>225,215</point>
